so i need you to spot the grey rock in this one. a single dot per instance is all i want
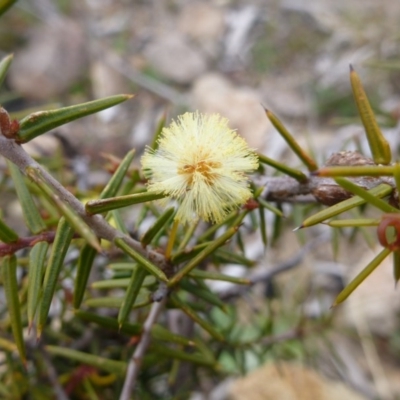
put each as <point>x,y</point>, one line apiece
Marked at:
<point>289,381</point>
<point>173,57</point>
<point>213,93</point>
<point>201,21</point>
<point>53,60</point>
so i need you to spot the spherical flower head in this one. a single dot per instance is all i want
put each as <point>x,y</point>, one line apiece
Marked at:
<point>201,163</point>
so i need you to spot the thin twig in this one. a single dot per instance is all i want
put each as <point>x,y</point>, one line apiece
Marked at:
<point>28,241</point>
<point>285,189</point>
<point>324,190</point>
<point>137,357</point>
<point>51,371</point>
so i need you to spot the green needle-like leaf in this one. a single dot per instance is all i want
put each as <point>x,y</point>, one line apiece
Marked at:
<point>116,217</point>
<point>188,254</point>
<point>197,273</point>
<point>70,215</point>
<point>43,121</point>
<point>6,61</point>
<point>335,244</point>
<point>157,226</point>
<point>367,170</point>
<point>5,5</point>
<point>209,233</point>
<point>99,206</point>
<point>196,358</point>
<point>7,235</point>
<point>109,323</point>
<point>346,292</point>
<point>257,191</point>
<point>349,223</point>
<point>202,292</point>
<point>10,284</point>
<point>85,262</point>
<point>150,267</point>
<point>158,332</point>
<point>7,345</point>
<point>368,197</point>
<point>117,283</point>
<point>304,157</point>
<point>263,225</point>
<point>270,207</point>
<point>32,216</point>
<point>131,293</point>
<point>396,174</point>
<point>59,250</point>
<point>379,191</point>
<point>294,173</point>
<point>227,256</point>
<point>143,299</point>
<point>158,131</point>
<point>131,183</point>
<point>379,146</point>
<point>122,283</point>
<point>188,234</point>
<point>202,255</point>
<point>115,182</point>
<point>178,303</point>
<point>37,257</point>
<point>396,266</point>
<point>122,266</point>
<point>104,364</point>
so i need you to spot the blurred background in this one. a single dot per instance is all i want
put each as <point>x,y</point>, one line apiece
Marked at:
<point>236,57</point>
<point>231,57</point>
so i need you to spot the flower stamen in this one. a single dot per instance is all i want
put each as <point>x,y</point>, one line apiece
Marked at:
<point>202,163</point>
<point>203,168</point>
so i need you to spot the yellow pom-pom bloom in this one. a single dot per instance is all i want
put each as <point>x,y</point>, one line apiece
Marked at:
<point>201,163</point>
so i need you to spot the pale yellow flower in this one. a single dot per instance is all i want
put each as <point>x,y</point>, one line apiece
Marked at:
<point>201,163</point>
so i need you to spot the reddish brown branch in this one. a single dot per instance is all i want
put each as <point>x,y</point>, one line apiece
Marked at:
<point>29,241</point>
